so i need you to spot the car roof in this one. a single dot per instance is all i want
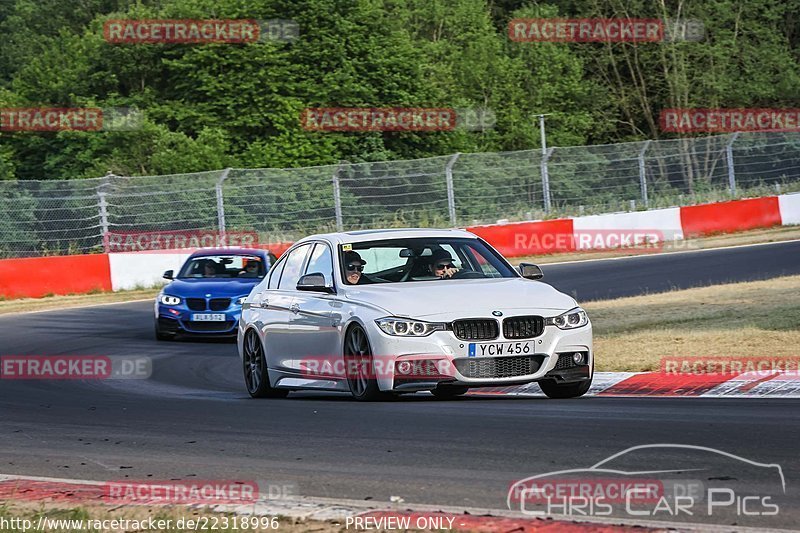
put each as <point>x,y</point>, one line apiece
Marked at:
<point>383,234</point>
<point>229,251</point>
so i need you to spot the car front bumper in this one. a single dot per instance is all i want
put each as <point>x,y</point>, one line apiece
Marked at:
<point>178,319</point>
<point>549,357</point>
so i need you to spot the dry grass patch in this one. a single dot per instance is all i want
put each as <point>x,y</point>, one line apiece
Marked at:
<point>760,318</point>
<point>77,300</point>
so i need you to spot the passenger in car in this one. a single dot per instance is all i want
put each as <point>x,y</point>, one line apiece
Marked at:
<point>354,267</point>
<point>250,269</point>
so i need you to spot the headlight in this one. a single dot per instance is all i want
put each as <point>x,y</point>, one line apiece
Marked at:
<point>574,318</point>
<point>403,327</point>
<point>166,299</point>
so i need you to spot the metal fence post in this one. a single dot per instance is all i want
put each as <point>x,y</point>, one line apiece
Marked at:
<point>102,206</point>
<point>337,197</point>
<point>729,161</point>
<point>451,195</point>
<point>546,179</point>
<point>643,174</point>
<point>221,205</point>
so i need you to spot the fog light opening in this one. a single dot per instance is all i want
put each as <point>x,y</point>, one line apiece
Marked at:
<point>578,358</point>
<point>404,367</point>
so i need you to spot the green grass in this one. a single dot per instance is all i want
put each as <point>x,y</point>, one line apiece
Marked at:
<point>754,319</point>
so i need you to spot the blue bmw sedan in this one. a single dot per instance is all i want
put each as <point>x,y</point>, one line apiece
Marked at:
<point>205,297</point>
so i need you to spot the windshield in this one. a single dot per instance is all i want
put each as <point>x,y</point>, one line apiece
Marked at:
<point>224,266</point>
<point>420,259</point>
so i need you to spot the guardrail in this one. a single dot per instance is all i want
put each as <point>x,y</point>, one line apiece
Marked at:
<point>47,217</point>
<point>129,270</point>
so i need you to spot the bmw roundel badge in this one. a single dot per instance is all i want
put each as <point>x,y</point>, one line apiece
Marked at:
<point>497,313</point>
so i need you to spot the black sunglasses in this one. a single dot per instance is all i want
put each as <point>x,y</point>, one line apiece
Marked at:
<point>442,266</point>
<point>353,268</point>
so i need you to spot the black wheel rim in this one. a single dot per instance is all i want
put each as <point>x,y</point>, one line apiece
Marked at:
<point>357,359</point>
<point>253,362</point>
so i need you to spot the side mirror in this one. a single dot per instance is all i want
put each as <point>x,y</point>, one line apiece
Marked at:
<point>314,282</point>
<point>530,271</point>
<point>168,275</point>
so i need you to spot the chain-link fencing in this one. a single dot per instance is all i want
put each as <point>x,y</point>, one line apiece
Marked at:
<point>46,217</point>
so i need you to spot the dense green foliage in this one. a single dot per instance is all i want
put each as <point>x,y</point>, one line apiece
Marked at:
<point>214,105</point>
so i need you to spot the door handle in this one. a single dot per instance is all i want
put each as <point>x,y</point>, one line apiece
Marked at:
<point>295,308</point>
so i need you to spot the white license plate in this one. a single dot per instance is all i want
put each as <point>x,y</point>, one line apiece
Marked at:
<point>493,349</point>
<point>208,317</point>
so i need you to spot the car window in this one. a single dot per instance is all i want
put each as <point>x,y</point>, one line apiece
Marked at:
<point>383,258</point>
<point>380,259</point>
<point>294,267</point>
<point>478,262</point>
<point>224,266</point>
<point>275,275</point>
<point>416,259</point>
<point>321,262</point>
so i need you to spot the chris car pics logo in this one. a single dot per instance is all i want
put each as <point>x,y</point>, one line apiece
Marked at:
<point>657,481</point>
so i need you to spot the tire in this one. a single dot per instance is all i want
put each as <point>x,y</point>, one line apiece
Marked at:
<point>161,336</point>
<point>359,368</point>
<point>254,365</point>
<point>450,392</point>
<point>565,390</point>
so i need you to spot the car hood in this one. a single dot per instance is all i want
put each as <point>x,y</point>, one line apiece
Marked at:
<point>217,288</point>
<point>447,300</point>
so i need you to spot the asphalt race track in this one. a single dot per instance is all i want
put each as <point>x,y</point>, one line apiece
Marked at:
<point>193,418</point>
<point>616,278</point>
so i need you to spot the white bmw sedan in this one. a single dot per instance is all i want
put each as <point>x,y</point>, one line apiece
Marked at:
<point>383,312</point>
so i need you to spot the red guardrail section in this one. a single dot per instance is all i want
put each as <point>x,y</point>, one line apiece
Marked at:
<point>276,248</point>
<point>727,217</point>
<point>529,238</point>
<point>69,274</point>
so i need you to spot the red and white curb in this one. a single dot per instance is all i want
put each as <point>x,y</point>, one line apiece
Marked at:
<point>749,385</point>
<point>372,515</point>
